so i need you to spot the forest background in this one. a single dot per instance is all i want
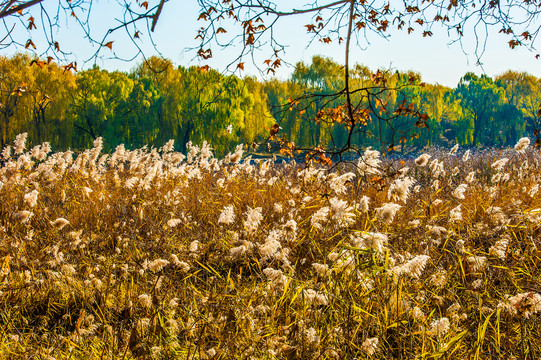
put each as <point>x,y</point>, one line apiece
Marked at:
<point>157,101</point>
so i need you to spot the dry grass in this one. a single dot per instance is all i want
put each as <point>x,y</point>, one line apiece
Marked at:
<point>148,267</point>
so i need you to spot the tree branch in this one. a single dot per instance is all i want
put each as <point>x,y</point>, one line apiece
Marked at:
<point>348,97</point>
<point>14,9</point>
<point>157,15</point>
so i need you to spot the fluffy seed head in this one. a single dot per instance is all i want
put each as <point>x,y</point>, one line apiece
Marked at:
<point>422,160</point>
<point>370,346</point>
<point>22,216</point>
<point>522,145</point>
<point>60,223</point>
<point>387,212</point>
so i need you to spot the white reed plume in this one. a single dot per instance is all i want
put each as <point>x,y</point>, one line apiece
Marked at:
<point>498,165</point>
<point>338,183</point>
<point>387,212</point>
<point>31,198</point>
<point>364,204</point>
<point>459,191</point>
<point>413,268</point>
<point>315,298</point>
<point>276,277</point>
<point>319,217</point>
<point>253,218</point>
<point>145,300</point>
<point>60,223</point>
<point>533,191</point>
<point>157,265</point>
<point>523,305</point>
<point>455,214</point>
<point>183,266</point>
<point>370,346</point>
<point>343,214</point>
<point>20,143</point>
<point>227,216</point>
<point>6,152</point>
<point>422,160</point>
<point>369,240</point>
<point>454,150</point>
<point>476,263</point>
<point>169,146</point>
<point>194,246</point>
<point>499,249</point>
<point>321,269</point>
<point>206,152</point>
<point>272,244</point>
<point>369,163</point>
<point>400,189</point>
<point>87,191</point>
<point>22,216</point>
<point>522,145</point>
<point>466,156</point>
<point>439,327</point>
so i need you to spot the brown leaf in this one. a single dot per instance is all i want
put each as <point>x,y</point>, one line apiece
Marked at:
<point>41,64</point>
<point>310,28</point>
<point>29,43</point>
<point>136,35</point>
<point>31,23</point>
<point>514,43</point>
<point>109,45</point>
<point>240,66</point>
<point>274,130</point>
<point>221,30</point>
<point>56,46</point>
<point>205,54</point>
<point>145,4</point>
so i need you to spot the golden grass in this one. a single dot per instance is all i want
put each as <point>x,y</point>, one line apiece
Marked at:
<point>419,287</point>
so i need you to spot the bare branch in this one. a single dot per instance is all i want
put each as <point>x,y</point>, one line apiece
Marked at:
<point>7,11</point>
<point>157,15</point>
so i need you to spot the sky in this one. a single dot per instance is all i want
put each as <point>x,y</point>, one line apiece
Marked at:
<point>434,58</point>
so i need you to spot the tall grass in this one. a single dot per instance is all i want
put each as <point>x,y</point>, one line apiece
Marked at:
<point>153,254</point>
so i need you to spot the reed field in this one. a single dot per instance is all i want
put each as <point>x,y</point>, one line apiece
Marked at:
<point>152,254</point>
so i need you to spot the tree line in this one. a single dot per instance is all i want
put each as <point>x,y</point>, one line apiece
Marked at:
<point>158,101</point>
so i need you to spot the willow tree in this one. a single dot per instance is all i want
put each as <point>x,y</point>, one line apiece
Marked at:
<point>249,25</point>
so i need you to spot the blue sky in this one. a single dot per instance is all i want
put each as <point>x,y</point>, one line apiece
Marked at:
<point>434,58</point>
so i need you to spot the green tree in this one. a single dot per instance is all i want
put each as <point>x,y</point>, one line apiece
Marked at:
<point>523,93</point>
<point>481,97</point>
<point>95,101</point>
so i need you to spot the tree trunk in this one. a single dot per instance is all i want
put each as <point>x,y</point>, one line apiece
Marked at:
<point>476,126</point>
